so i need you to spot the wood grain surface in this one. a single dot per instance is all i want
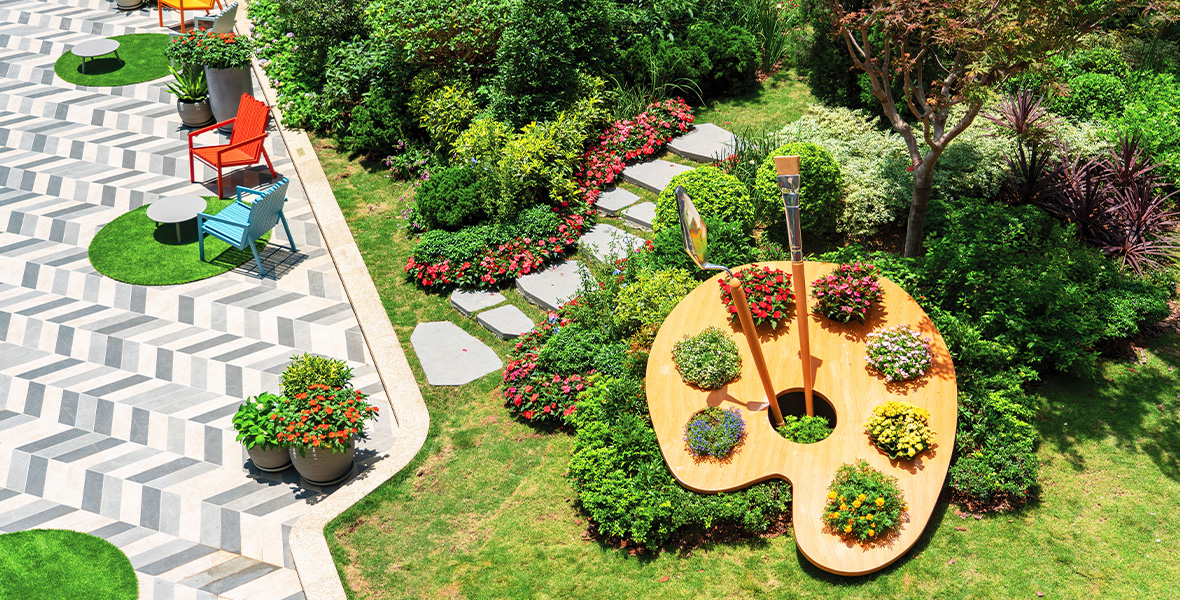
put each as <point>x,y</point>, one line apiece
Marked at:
<point>841,376</point>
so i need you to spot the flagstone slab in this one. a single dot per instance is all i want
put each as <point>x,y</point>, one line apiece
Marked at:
<point>608,243</point>
<point>473,301</point>
<point>653,175</point>
<point>705,143</point>
<point>506,322</point>
<point>451,356</point>
<point>641,215</point>
<point>554,286</point>
<point>612,201</point>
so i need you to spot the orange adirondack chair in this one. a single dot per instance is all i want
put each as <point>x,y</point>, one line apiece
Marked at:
<point>245,143</point>
<point>183,5</point>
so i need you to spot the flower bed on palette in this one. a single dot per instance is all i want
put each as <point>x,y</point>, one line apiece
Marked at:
<point>628,140</point>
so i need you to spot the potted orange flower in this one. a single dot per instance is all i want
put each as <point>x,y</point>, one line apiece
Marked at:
<point>323,425</point>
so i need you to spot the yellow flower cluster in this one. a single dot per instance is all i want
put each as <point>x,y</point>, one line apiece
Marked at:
<point>863,503</point>
<point>900,429</point>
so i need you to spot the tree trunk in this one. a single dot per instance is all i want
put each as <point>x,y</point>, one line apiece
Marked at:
<point>923,180</point>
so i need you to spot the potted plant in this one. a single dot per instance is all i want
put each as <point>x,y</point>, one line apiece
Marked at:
<point>847,293</point>
<point>225,58</point>
<point>259,422</point>
<point>192,95</point>
<point>321,429</point>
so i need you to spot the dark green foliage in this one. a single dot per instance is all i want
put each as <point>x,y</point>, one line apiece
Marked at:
<point>804,429</point>
<point>1092,96</point>
<point>537,73</point>
<point>996,464</point>
<point>319,26</point>
<point>571,349</point>
<point>622,483</point>
<point>1153,111</point>
<point>832,77</point>
<point>468,243</point>
<point>728,246</point>
<point>367,86</point>
<point>452,198</point>
<point>820,199</point>
<point>537,222</point>
<point>611,359</point>
<point>731,55</point>
<point>1100,60</point>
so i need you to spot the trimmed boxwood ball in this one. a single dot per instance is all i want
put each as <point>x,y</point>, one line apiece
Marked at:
<point>821,199</point>
<point>708,360</point>
<point>714,192</point>
<point>452,198</point>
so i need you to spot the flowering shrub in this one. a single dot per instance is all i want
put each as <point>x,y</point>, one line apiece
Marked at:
<point>532,391</point>
<point>898,353</point>
<point>323,417</point>
<point>214,50</point>
<point>847,293</point>
<point>411,221</point>
<point>409,161</point>
<point>768,292</point>
<point>900,429</point>
<point>863,503</point>
<point>628,140</point>
<point>714,432</point>
<point>709,359</point>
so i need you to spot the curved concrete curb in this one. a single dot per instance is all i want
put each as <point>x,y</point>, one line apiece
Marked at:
<point>309,547</point>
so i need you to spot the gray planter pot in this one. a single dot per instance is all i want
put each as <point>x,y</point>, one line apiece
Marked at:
<point>270,460</point>
<point>226,87</point>
<point>195,114</point>
<point>323,467</point>
<point>129,4</point>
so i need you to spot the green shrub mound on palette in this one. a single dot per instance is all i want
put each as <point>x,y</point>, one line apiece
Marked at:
<point>142,59</point>
<point>708,360</point>
<point>132,249</point>
<point>55,564</point>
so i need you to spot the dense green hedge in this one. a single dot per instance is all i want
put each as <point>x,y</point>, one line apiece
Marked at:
<point>714,192</point>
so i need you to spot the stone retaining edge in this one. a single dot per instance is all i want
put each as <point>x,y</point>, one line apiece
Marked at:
<point>309,547</point>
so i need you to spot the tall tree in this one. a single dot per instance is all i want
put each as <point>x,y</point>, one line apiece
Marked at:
<point>970,46</point>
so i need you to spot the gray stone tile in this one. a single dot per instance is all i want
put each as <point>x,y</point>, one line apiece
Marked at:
<point>554,286</point>
<point>506,322</point>
<point>451,356</point>
<point>641,215</point>
<point>611,201</point>
<point>705,143</point>
<point>473,301</point>
<point>654,175</point>
<point>607,243</point>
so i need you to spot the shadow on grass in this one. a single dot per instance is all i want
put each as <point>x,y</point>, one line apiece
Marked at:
<point>1134,404</point>
<point>101,66</point>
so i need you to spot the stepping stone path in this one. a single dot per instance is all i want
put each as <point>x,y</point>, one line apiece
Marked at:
<point>641,215</point>
<point>608,244</point>
<point>506,322</point>
<point>451,356</point>
<point>554,286</point>
<point>705,143</point>
<point>612,201</point>
<point>653,175</point>
<point>473,301</point>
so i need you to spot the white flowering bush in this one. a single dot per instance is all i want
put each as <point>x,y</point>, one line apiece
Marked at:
<point>900,429</point>
<point>707,360</point>
<point>899,353</point>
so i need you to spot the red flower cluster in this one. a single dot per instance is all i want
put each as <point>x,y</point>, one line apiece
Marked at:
<point>768,293</point>
<point>502,263</point>
<point>628,140</point>
<point>534,394</point>
<point>324,417</point>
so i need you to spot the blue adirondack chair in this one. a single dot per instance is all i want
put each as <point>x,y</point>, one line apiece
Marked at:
<point>240,224</point>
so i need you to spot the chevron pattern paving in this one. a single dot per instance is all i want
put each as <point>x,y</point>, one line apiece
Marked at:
<point>116,400</point>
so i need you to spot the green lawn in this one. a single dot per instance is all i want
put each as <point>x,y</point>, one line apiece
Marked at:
<point>779,100</point>
<point>485,512</point>
<point>54,564</point>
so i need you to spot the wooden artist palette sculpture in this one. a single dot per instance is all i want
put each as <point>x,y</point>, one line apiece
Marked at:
<point>840,376</point>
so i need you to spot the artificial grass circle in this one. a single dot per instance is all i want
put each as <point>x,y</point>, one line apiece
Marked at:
<point>132,249</point>
<point>59,564</point>
<point>141,58</point>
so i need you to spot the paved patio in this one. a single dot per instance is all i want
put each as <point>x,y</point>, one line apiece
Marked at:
<point>115,400</point>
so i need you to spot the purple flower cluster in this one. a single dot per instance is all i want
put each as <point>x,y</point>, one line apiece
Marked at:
<point>899,353</point>
<point>714,432</point>
<point>847,293</point>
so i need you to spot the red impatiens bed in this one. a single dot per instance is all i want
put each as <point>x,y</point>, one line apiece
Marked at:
<point>621,142</point>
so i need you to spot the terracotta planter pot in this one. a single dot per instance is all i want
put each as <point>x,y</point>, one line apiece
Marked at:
<point>323,467</point>
<point>226,87</point>
<point>194,114</point>
<point>270,460</point>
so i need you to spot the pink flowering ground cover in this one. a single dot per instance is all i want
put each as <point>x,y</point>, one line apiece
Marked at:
<point>847,293</point>
<point>531,392</point>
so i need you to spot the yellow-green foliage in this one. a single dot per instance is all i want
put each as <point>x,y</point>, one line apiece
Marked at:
<point>307,369</point>
<point>714,192</point>
<point>446,113</point>
<point>649,300</point>
<point>482,142</point>
<point>900,429</point>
